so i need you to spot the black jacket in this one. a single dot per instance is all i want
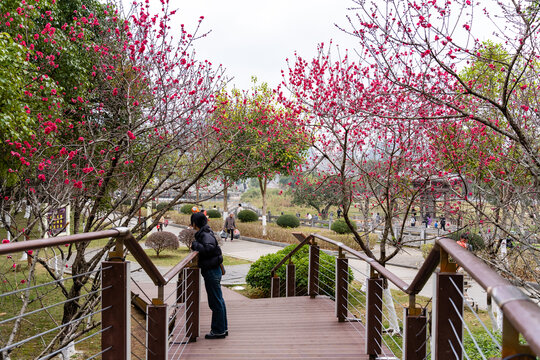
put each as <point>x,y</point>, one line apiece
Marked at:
<point>205,243</point>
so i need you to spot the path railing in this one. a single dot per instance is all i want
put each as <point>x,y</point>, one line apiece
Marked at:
<point>108,329</point>
<point>442,328</point>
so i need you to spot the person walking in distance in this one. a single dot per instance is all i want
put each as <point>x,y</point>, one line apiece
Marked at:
<point>161,221</point>
<point>230,225</point>
<point>211,264</point>
<point>443,223</point>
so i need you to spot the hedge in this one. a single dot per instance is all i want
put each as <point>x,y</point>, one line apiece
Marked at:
<point>186,209</point>
<point>288,221</point>
<point>341,227</point>
<point>213,214</point>
<point>258,275</point>
<point>247,216</point>
<point>162,206</point>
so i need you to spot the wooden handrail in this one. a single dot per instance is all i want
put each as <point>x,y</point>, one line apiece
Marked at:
<point>121,232</point>
<point>142,258</point>
<point>289,255</point>
<point>402,285</point>
<point>425,271</point>
<point>180,266</point>
<point>60,240</point>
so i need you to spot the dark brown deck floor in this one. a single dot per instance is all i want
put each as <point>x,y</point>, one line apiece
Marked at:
<point>284,328</point>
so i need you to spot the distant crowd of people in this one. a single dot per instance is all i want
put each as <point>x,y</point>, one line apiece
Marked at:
<point>427,221</point>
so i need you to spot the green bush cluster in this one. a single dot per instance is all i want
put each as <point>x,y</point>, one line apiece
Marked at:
<point>247,216</point>
<point>341,227</point>
<point>186,209</point>
<point>475,240</point>
<point>288,221</point>
<point>259,274</point>
<point>213,214</point>
<point>162,206</point>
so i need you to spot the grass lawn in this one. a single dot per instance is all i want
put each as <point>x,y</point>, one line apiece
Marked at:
<point>12,279</point>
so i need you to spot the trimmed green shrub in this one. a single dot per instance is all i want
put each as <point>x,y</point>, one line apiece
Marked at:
<point>341,227</point>
<point>258,275</point>
<point>475,240</point>
<point>162,206</point>
<point>186,209</point>
<point>213,214</point>
<point>288,221</point>
<point>247,216</point>
<point>161,240</point>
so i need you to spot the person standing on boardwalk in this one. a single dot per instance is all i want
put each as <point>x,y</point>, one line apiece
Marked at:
<point>230,225</point>
<point>211,264</point>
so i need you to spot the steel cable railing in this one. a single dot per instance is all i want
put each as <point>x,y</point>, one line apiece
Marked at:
<point>384,333</point>
<point>479,350</point>
<point>141,289</point>
<point>100,353</point>
<point>34,299</point>
<point>24,341</point>
<point>51,282</point>
<point>50,355</point>
<point>475,313</point>
<point>181,324</point>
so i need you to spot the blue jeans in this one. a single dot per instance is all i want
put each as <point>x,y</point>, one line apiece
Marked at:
<point>212,284</point>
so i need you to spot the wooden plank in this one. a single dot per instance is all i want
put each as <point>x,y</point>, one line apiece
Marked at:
<point>279,328</point>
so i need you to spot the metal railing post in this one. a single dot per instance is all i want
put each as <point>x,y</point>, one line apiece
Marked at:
<point>342,285</point>
<point>290,282</point>
<point>193,289</point>
<point>116,277</point>
<point>415,332</point>
<point>374,316</point>
<point>313,274</point>
<point>447,324</point>
<point>274,287</point>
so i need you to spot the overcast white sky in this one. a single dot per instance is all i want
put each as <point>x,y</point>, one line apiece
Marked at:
<point>252,37</point>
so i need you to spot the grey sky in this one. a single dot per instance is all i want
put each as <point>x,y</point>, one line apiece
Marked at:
<point>251,37</point>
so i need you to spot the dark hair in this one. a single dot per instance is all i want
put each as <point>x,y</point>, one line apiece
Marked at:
<point>199,220</point>
<point>464,236</point>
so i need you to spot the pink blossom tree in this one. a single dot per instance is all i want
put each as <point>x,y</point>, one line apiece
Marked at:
<point>106,131</point>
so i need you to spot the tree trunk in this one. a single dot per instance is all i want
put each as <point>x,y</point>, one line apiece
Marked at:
<point>393,323</point>
<point>325,212</point>
<point>197,192</point>
<point>262,185</point>
<point>225,194</point>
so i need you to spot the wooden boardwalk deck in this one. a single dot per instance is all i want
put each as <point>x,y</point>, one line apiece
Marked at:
<point>283,328</point>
